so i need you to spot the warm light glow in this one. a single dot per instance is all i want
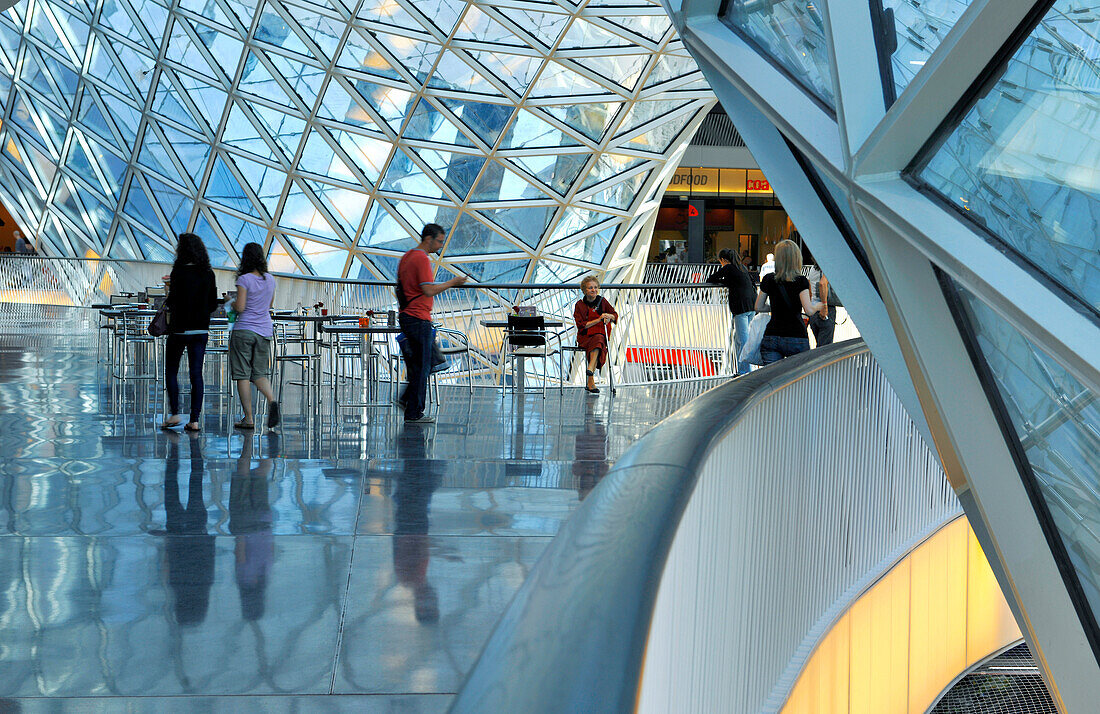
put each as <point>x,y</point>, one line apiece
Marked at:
<point>933,615</point>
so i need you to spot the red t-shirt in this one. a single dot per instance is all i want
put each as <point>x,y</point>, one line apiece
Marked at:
<point>415,268</point>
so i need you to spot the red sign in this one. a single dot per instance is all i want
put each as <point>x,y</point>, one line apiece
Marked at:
<point>758,185</point>
<point>693,212</point>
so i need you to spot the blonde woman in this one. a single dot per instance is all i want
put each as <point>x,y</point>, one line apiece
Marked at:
<point>788,292</point>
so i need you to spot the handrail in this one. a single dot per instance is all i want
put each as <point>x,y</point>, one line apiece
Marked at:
<point>575,636</point>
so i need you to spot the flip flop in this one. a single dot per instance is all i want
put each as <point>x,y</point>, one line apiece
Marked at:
<point>168,425</point>
<point>190,428</point>
<point>242,424</point>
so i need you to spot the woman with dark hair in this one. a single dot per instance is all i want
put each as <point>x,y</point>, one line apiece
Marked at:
<point>742,298</point>
<point>250,342</point>
<point>192,296</point>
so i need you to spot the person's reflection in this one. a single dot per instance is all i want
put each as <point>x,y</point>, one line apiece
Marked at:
<point>590,452</point>
<point>189,548</point>
<point>250,523</point>
<point>417,481</point>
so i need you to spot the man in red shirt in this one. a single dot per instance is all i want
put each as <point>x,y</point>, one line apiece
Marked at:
<point>417,281</point>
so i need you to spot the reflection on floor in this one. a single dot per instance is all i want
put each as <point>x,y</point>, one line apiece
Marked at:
<point>357,566</point>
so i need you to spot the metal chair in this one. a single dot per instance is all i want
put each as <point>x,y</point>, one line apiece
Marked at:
<point>135,341</point>
<point>525,336</point>
<point>453,342</point>
<point>294,345</point>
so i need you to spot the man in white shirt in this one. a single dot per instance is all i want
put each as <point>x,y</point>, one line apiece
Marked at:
<point>768,266</point>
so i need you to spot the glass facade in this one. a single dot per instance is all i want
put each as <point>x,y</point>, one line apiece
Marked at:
<point>792,34</point>
<point>1023,161</point>
<point>1057,421</point>
<point>919,26</point>
<point>332,131</point>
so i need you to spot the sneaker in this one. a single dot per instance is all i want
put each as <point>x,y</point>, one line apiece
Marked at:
<point>273,415</point>
<point>424,419</point>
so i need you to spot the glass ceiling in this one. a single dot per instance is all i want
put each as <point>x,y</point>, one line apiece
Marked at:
<point>332,134</point>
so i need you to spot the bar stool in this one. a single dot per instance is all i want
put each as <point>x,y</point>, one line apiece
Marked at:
<point>293,345</point>
<point>135,340</point>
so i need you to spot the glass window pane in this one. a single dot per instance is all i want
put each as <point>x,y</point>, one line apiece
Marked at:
<point>920,26</point>
<point>792,34</point>
<point>1057,421</point>
<point>1023,162</point>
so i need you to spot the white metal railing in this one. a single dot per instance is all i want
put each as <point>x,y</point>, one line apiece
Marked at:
<point>703,570</point>
<point>667,332</point>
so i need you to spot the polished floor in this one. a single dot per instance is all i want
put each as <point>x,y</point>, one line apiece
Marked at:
<point>349,566</point>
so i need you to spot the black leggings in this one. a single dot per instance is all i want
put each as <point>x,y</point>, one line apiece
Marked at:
<point>196,351</point>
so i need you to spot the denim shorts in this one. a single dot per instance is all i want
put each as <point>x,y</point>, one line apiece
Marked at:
<point>249,355</point>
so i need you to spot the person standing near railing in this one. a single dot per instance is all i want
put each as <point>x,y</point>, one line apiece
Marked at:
<point>192,297</point>
<point>593,315</point>
<point>250,341</point>
<point>742,294</point>
<point>416,287</point>
<point>787,290</point>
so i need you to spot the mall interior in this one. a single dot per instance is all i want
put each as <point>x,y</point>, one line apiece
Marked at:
<point>903,519</point>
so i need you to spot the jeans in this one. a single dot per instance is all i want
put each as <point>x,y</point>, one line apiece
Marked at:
<point>418,334</point>
<point>823,327</point>
<point>196,352</point>
<point>773,349</point>
<point>740,334</point>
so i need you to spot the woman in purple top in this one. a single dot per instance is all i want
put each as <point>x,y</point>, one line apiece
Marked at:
<point>250,343</point>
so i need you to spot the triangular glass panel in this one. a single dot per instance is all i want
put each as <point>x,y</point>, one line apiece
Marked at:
<point>548,271</point>
<point>497,271</point>
<point>560,80</point>
<point>113,167</point>
<point>499,183</point>
<point>386,265</point>
<point>175,206</point>
<point>575,220</point>
<point>138,67</point>
<point>75,28</point>
<point>623,70</point>
<point>337,104</point>
<point>650,27</point>
<point>405,176</point>
<point>345,205</point>
<point>99,214</point>
<point>281,258</point>
<point>429,124</point>
<point>300,214</point>
<point>67,80</point>
<point>191,152</point>
<point>168,103</point>
<point>486,120</point>
<point>219,256</point>
<point>589,118</point>
<point>584,35</point>
<point>318,157</point>
<point>323,260</point>
<point>667,67</point>
<point>126,118</point>
<point>361,55</point>
<point>65,200</point>
<point>54,125</point>
<point>363,269</point>
<point>242,134</point>
<point>139,207</point>
<point>557,171</point>
<point>32,74</point>
<point>267,182</point>
<point>285,129</point>
<point>386,12</point>
<point>182,50</point>
<point>476,26</point>
<point>78,162</point>
<point>239,232</point>
<point>472,237</point>
<point>22,117</point>
<point>9,44</point>
<point>258,80</point>
<point>391,103</point>
<point>421,214</point>
<point>661,136</point>
<point>42,29</point>
<point>274,30</point>
<point>154,156</point>
<point>122,247</point>
<point>209,99</point>
<point>416,56</point>
<point>151,248</point>
<point>384,232</point>
<point>152,15</point>
<point>517,71</point>
<point>456,74</point>
<point>209,9</point>
<point>323,30</point>
<point>643,112</point>
<point>441,13</point>
<point>367,153</point>
<point>592,248</point>
<point>224,188</point>
<point>459,171</point>
<point>524,223</point>
<point>545,27</point>
<point>303,78</point>
<point>608,166</point>
<point>529,131</point>
<point>622,194</point>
